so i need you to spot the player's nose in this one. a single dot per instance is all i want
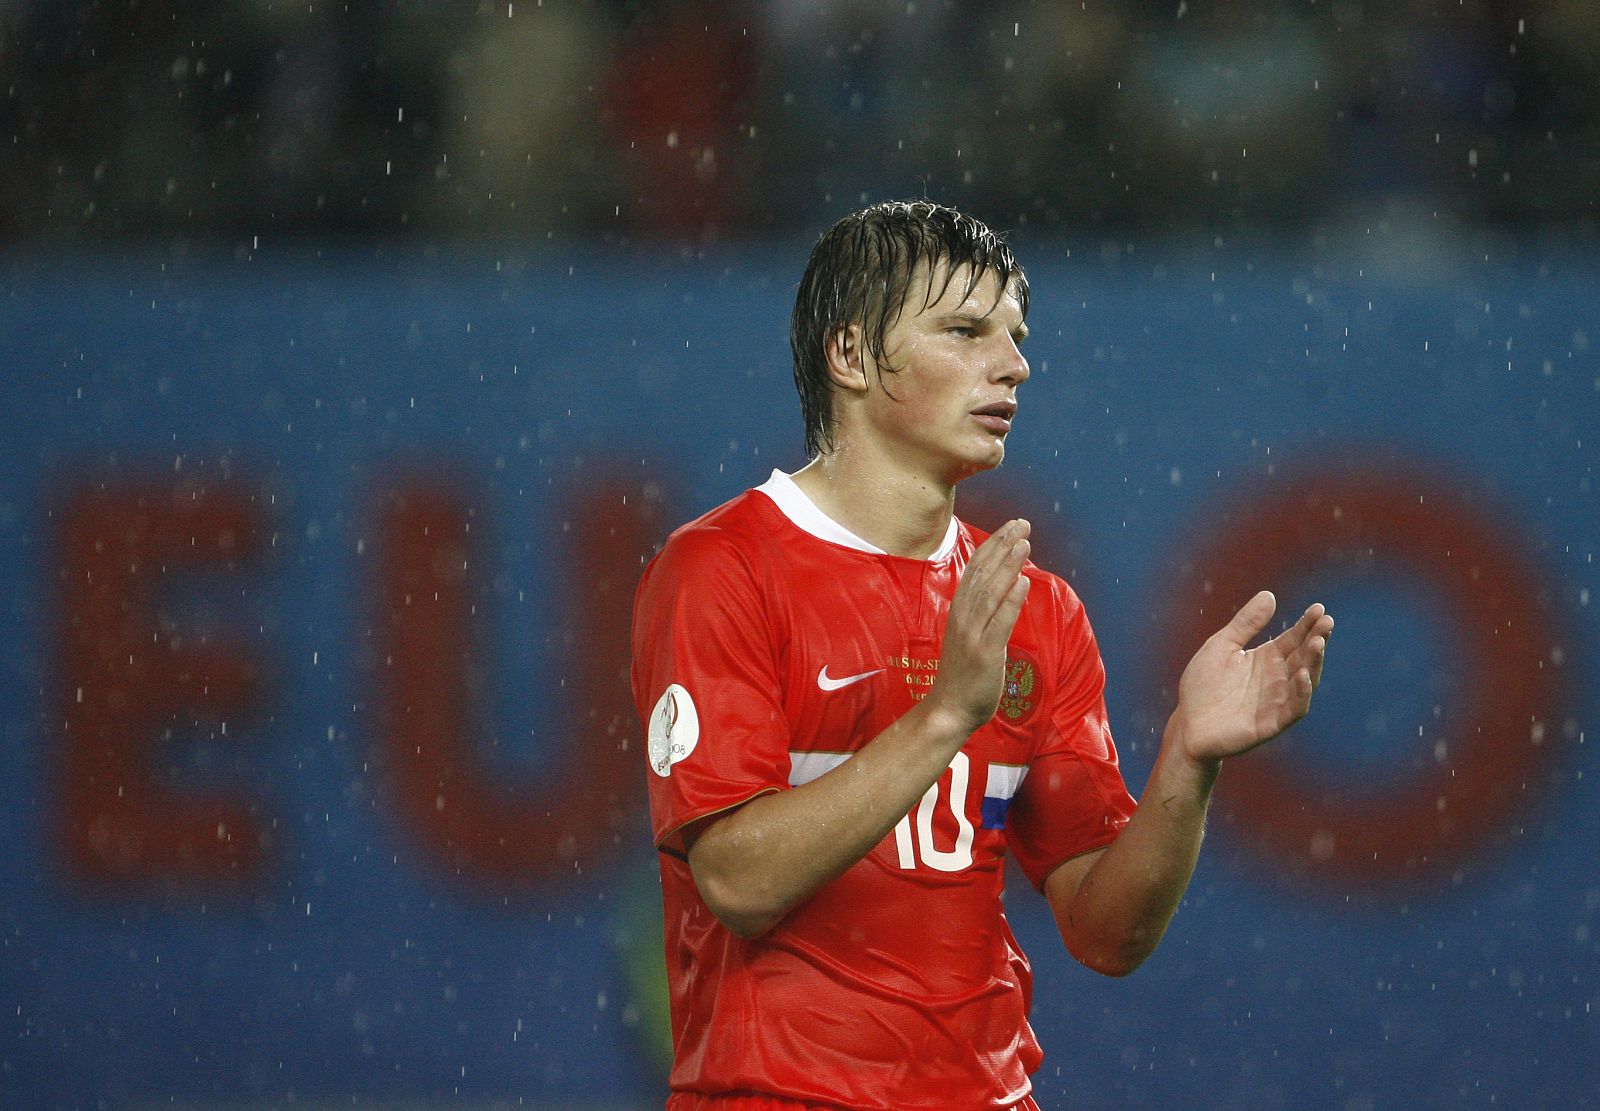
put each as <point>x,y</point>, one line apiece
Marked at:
<point>1013,366</point>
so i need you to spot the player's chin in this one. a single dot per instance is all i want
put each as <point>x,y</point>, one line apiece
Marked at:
<point>993,451</point>
<point>979,462</point>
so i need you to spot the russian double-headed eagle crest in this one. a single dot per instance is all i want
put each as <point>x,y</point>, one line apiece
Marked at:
<point>1016,698</point>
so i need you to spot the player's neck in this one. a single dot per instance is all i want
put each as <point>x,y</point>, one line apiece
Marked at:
<point>904,514</point>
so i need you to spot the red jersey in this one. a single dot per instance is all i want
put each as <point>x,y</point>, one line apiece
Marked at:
<point>770,644</point>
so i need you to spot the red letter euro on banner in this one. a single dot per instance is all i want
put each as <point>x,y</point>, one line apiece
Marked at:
<point>131,681</point>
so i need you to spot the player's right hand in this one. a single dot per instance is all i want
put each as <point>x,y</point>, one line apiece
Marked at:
<point>982,614</point>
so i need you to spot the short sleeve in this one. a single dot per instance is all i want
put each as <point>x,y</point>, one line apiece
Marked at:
<point>1073,799</point>
<point>705,682</point>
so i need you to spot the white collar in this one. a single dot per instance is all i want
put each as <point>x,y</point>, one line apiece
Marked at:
<point>795,505</point>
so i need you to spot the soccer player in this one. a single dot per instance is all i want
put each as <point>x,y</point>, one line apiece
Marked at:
<point>855,704</point>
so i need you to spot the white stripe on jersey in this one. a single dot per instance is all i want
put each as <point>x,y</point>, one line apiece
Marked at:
<point>1004,779</point>
<point>806,766</point>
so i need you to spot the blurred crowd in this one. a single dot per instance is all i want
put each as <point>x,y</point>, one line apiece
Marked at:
<point>699,120</point>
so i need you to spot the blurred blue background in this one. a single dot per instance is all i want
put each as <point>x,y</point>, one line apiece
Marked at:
<point>1168,398</point>
<point>310,314</point>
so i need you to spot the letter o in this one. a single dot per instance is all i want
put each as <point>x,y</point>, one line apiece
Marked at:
<point>1499,740</point>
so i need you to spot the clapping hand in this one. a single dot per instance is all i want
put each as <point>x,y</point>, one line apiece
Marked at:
<point>1232,697</point>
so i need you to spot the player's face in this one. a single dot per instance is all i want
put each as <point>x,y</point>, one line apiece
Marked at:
<point>948,402</point>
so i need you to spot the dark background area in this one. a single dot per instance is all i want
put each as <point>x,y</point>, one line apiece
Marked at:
<point>706,120</point>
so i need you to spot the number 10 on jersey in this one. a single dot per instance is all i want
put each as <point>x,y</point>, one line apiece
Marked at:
<point>917,844</point>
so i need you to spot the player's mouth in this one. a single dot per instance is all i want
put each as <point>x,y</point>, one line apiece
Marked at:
<point>997,418</point>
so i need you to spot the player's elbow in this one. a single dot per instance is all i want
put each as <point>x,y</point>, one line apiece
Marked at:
<point>1111,956</point>
<point>743,919</point>
<point>1111,963</point>
<point>737,905</point>
<point>736,878</point>
<point>748,927</point>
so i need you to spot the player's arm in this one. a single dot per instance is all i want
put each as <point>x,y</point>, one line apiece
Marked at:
<point>752,865</point>
<point>1113,905</point>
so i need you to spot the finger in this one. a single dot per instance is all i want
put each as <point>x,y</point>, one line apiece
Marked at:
<point>1308,620</point>
<point>1007,534</point>
<point>1319,652</point>
<point>1016,557</point>
<point>1252,617</point>
<point>993,550</point>
<point>1324,629</point>
<point>1309,636</point>
<point>1006,581</point>
<point>1297,634</point>
<point>1305,685</point>
<point>1005,617</point>
<point>975,573</point>
<point>995,566</point>
<point>1293,642</point>
<point>1015,552</point>
<point>1301,689</point>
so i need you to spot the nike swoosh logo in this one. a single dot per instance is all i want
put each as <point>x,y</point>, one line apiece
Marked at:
<point>828,683</point>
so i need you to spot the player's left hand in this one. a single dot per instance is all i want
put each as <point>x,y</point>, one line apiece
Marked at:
<point>1232,698</point>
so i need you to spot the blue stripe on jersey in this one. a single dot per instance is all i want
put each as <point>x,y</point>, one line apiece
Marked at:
<point>1001,788</point>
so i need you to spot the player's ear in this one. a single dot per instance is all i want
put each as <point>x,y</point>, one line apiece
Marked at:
<point>846,360</point>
